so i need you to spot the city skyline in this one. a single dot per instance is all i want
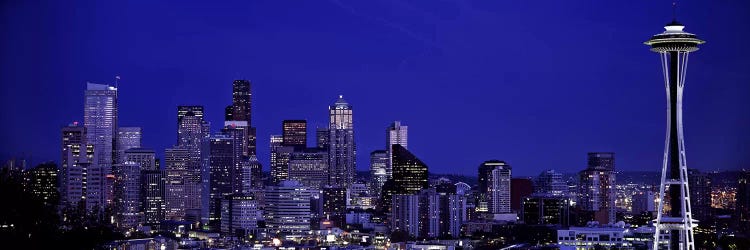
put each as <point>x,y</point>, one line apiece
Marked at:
<point>510,115</point>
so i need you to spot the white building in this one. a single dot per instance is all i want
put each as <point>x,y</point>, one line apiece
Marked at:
<point>499,189</point>
<point>287,209</point>
<point>619,236</point>
<point>395,134</point>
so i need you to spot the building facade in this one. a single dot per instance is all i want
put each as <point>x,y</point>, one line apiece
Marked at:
<point>341,148</point>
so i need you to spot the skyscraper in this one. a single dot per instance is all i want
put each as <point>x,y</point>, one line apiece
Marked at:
<point>287,209</point>
<point>309,167</point>
<point>144,157</point>
<point>240,214</point>
<point>673,46</point>
<point>322,137</point>
<point>546,209</point>
<point>334,205</point>
<point>128,194</point>
<point>378,176</point>
<point>242,111</point>
<point>127,138</point>
<point>153,197</point>
<point>223,164</point>
<point>409,176</point>
<point>550,183</point>
<point>178,184</point>
<point>596,184</point>
<point>342,150</point>
<point>192,128</point>
<point>100,120</point>
<point>294,133</point>
<point>428,214</point>
<point>280,155</point>
<point>409,173</point>
<point>395,134</point>
<point>242,101</point>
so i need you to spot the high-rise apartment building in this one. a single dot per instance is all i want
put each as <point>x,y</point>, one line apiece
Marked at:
<point>596,184</point>
<point>499,185</point>
<point>395,134</point>
<point>342,149</point>
<point>428,214</point>
<point>127,138</point>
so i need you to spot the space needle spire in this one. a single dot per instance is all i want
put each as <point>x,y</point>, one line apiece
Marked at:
<point>673,46</point>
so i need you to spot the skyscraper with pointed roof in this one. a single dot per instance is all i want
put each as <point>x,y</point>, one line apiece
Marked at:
<point>341,149</point>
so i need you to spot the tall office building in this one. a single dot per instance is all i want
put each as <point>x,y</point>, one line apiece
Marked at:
<point>178,185</point>
<point>127,138</point>
<point>596,184</point>
<point>223,156</point>
<point>550,183</point>
<point>395,134</point>
<point>378,175</point>
<point>240,131</point>
<point>242,111</point>
<point>144,157</point>
<point>242,101</point>
<point>546,209</point>
<point>409,176</point>
<point>499,185</point>
<point>280,155</point>
<point>184,170</point>
<point>41,182</point>
<point>700,196</point>
<point>342,150</point>
<point>251,166</point>
<point>409,173</point>
<point>153,197</point>
<point>240,214</point>
<point>309,167</point>
<point>192,128</point>
<point>287,209</point>
<point>81,179</point>
<point>100,120</point>
<point>334,205</point>
<point>294,133</point>
<point>127,189</point>
<point>322,137</point>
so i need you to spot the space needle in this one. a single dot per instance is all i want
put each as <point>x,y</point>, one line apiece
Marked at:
<point>673,46</point>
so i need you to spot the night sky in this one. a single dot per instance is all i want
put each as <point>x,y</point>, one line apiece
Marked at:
<point>535,83</point>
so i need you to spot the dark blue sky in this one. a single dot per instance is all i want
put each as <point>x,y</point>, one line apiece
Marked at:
<point>534,83</point>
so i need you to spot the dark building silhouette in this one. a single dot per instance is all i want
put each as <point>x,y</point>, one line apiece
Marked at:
<point>41,182</point>
<point>742,201</point>
<point>700,196</point>
<point>546,210</point>
<point>522,187</point>
<point>241,101</point>
<point>334,205</point>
